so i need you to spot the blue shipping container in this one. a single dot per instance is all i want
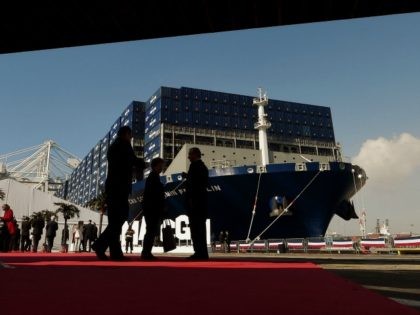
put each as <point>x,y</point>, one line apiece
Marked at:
<point>153,98</point>
<point>153,110</point>
<point>152,146</point>
<point>152,134</point>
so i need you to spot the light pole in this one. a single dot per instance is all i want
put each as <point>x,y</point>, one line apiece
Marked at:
<point>360,176</point>
<point>362,216</point>
<point>354,181</point>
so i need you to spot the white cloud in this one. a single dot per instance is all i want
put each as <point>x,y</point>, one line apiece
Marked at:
<point>393,168</point>
<point>389,161</point>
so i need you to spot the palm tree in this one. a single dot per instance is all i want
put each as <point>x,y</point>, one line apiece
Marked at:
<point>68,211</point>
<point>98,204</point>
<point>47,214</point>
<point>37,215</point>
<point>2,194</point>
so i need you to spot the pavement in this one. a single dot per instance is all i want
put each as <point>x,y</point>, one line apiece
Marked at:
<point>396,277</point>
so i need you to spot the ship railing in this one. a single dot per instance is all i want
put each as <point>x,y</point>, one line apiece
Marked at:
<point>243,135</point>
<point>313,143</point>
<point>303,142</point>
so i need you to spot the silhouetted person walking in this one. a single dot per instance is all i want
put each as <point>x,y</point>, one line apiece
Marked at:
<point>37,227</point>
<point>51,228</point>
<point>94,232</point>
<point>4,236</point>
<point>121,163</point>
<point>82,234</point>
<point>89,237</point>
<point>227,241</point>
<point>222,241</point>
<point>196,197</point>
<point>25,243</point>
<point>153,207</point>
<point>17,238</point>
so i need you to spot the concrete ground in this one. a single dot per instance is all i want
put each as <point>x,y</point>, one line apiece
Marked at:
<point>397,277</point>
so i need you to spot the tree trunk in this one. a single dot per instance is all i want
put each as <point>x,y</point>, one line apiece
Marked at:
<point>44,246</point>
<point>65,230</point>
<point>64,243</point>
<point>101,216</point>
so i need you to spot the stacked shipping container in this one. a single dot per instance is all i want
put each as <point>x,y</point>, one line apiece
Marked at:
<point>88,179</point>
<point>198,109</point>
<point>212,110</point>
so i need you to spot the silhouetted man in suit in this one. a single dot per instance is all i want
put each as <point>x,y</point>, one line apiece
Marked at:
<point>121,163</point>
<point>196,197</point>
<point>37,227</point>
<point>153,207</point>
<point>51,228</point>
<point>17,238</point>
<point>25,243</point>
<point>88,237</point>
<point>94,232</point>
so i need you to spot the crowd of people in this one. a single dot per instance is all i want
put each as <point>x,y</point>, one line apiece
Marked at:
<point>26,238</point>
<point>84,237</point>
<point>15,238</point>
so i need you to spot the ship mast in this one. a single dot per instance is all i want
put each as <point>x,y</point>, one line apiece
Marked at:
<point>262,125</point>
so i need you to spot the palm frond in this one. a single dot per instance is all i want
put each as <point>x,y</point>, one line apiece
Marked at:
<point>97,203</point>
<point>67,210</point>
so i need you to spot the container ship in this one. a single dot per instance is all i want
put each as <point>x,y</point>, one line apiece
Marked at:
<point>275,169</point>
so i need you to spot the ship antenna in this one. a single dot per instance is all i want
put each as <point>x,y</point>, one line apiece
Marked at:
<point>262,125</point>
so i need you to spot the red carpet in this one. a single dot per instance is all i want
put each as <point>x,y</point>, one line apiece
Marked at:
<point>78,284</point>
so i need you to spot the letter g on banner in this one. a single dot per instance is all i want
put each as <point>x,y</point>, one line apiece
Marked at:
<point>182,230</point>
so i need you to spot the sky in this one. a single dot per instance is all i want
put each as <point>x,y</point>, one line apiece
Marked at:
<point>367,70</point>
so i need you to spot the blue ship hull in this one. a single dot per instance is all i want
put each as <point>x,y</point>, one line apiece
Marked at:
<point>232,194</point>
